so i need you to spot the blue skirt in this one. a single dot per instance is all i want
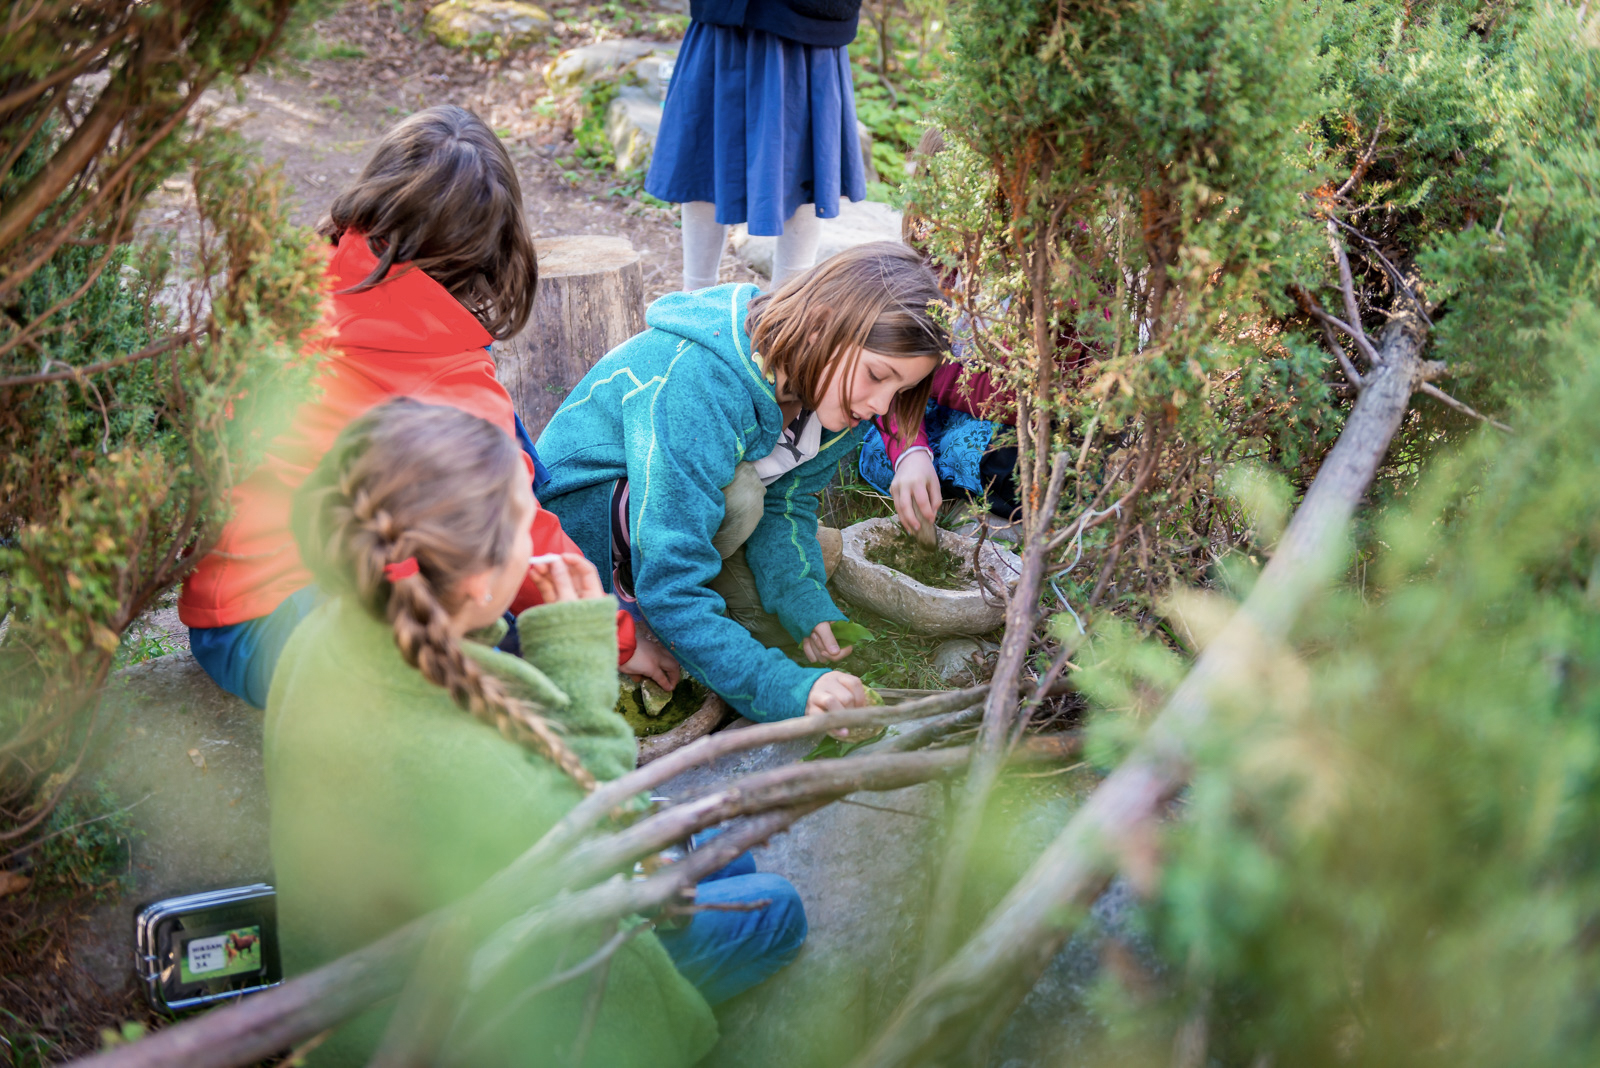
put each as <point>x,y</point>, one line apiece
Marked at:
<point>757,125</point>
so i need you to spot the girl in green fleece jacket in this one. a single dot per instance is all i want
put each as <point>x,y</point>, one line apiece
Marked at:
<point>407,763</point>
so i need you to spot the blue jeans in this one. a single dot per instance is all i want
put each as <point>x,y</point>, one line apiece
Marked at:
<point>241,658</point>
<point>726,952</point>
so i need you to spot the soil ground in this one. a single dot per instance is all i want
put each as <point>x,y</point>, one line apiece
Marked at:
<point>319,118</point>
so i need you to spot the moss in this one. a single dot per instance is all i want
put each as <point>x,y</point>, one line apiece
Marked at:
<point>936,567</point>
<point>631,706</point>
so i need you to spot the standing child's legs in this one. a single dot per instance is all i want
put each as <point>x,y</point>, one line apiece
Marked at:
<point>703,241</point>
<point>797,245</point>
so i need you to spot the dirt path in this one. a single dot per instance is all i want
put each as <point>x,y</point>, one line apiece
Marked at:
<point>372,65</point>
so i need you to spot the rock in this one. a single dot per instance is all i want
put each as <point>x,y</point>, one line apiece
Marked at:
<point>864,135</point>
<point>863,874</point>
<point>483,26</point>
<point>200,820</point>
<point>632,123</point>
<point>654,72</point>
<point>908,602</point>
<point>856,224</point>
<point>607,59</point>
<point>953,660</point>
<point>831,540</point>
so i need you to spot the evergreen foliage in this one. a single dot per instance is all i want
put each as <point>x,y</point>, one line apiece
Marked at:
<point>138,376</point>
<point>1387,853</point>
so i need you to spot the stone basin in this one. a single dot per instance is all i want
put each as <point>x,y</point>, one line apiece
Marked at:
<point>925,609</point>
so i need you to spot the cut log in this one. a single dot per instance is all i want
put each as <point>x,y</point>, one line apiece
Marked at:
<point>591,299</point>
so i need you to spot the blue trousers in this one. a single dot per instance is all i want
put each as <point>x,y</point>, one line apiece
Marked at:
<point>725,952</point>
<point>241,658</point>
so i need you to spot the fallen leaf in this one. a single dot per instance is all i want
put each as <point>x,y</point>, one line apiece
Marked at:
<point>12,882</point>
<point>199,759</point>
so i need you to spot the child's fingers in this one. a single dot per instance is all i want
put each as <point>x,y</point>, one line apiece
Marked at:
<point>855,689</point>
<point>561,578</point>
<point>539,571</point>
<point>552,577</point>
<point>824,635</point>
<point>585,576</point>
<point>904,509</point>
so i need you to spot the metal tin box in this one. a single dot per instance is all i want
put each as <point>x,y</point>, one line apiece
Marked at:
<point>204,948</point>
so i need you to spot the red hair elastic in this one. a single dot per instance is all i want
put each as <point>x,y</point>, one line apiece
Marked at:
<point>404,569</point>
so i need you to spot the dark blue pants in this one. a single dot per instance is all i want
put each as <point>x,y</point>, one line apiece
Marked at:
<point>726,952</point>
<point>241,658</point>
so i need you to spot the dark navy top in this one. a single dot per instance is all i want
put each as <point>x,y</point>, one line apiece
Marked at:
<point>829,23</point>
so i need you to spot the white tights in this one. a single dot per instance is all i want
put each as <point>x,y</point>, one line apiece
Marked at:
<point>704,239</point>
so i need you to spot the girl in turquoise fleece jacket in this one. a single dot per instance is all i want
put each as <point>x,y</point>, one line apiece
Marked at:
<point>406,764</point>
<point>733,395</point>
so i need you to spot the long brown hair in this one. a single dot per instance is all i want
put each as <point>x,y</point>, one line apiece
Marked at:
<point>441,194</point>
<point>877,296</point>
<point>431,483</point>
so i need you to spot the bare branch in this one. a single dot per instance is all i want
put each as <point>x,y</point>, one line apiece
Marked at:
<point>1352,308</point>
<point>999,714</point>
<point>78,373</point>
<point>1363,161</point>
<point>1465,409</point>
<point>1393,271</point>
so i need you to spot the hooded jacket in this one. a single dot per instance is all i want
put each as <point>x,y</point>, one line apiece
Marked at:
<point>389,802</point>
<point>674,410</point>
<point>405,337</point>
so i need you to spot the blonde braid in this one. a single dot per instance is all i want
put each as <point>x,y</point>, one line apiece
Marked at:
<point>392,488</point>
<point>421,631</point>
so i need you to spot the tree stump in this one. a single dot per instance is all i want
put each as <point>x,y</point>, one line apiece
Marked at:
<point>591,299</point>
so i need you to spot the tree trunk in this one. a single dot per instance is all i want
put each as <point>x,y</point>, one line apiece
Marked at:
<point>1017,941</point>
<point>591,299</point>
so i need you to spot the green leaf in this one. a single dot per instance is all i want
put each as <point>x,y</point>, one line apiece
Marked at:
<point>848,633</point>
<point>830,748</point>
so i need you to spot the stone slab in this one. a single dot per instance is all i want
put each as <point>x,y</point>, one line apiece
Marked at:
<point>499,26</point>
<point>633,121</point>
<point>863,874</point>
<point>605,59</point>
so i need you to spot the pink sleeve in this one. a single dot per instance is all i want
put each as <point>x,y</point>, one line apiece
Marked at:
<point>976,394</point>
<point>891,440</point>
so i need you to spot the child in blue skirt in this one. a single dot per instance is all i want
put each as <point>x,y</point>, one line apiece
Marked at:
<point>759,128</point>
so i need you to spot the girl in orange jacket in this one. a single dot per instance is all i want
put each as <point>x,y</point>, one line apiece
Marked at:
<point>431,263</point>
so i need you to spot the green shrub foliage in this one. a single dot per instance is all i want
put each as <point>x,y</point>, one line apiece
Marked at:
<point>138,377</point>
<point>1387,854</point>
<point>1144,189</point>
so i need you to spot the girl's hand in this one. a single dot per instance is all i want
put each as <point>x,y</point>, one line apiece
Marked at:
<point>565,577</point>
<point>832,693</point>
<point>915,490</point>
<point>820,645</point>
<point>651,659</point>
